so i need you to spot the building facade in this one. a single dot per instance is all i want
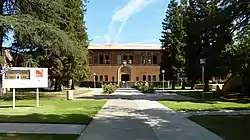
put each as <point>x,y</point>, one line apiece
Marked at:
<point>124,63</point>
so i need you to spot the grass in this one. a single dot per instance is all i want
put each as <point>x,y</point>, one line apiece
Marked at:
<point>37,137</point>
<point>213,101</point>
<point>32,94</point>
<point>51,111</point>
<point>204,105</point>
<point>227,127</point>
<point>207,95</point>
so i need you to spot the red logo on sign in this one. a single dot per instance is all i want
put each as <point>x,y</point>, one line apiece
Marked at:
<point>39,73</point>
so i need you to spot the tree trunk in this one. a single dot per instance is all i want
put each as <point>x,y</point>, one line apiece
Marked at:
<point>192,84</point>
<point>72,85</point>
<point>246,85</point>
<point>173,84</point>
<point>206,87</point>
<point>183,85</point>
<point>56,84</point>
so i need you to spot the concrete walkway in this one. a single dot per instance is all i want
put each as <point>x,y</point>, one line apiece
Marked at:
<point>142,120</point>
<point>32,128</point>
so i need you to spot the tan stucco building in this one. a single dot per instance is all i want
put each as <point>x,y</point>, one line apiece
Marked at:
<point>129,62</point>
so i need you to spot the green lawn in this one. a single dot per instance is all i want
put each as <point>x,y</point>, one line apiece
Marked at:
<point>51,111</point>
<point>36,137</point>
<point>204,105</point>
<point>207,95</point>
<point>212,101</point>
<point>227,127</point>
<point>32,94</point>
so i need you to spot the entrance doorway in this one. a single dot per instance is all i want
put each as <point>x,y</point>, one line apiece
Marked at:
<point>125,77</point>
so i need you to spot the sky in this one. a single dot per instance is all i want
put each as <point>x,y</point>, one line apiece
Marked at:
<point>122,21</point>
<point>125,21</point>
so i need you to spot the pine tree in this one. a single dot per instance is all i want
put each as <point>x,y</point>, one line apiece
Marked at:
<point>172,42</point>
<point>207,34</point>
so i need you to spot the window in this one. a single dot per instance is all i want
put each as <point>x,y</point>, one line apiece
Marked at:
<point>95,59</point>
<point>113,78</point>
<point>155,59</point>
<point>101,59</point>
<point>143,59</point>
<point>101,78</point>
<point>149,77</point>
<point>144,78</point>
<point>154,78</point>
<point>106,59</point>
<point>106,78</point>
<point>96,78</point>
<point>119,59</point>
<point>137,78</point>
<point>131,59</point>
<point>125,58</point>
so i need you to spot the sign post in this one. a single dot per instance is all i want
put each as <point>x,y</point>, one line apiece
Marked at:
<point>203,62</point>
<point>37,97</point>
<point>14,98</point>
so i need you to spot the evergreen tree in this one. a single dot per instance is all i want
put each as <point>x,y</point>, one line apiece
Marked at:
<point>172,42</point>
<point>207,34</point>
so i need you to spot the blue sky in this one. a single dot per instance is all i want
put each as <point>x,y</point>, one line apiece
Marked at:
<point>125,21</point>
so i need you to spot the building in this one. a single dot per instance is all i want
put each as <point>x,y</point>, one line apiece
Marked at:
<point>119,63</point>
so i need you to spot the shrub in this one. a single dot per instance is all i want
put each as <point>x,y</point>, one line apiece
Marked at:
<point>144,88</point>
<point>110,88</point>
<point>200,86</point>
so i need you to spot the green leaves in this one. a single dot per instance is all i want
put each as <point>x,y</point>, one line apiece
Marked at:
<point>172,42</point>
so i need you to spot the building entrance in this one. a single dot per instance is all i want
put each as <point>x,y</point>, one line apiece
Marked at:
<point>125,77</point>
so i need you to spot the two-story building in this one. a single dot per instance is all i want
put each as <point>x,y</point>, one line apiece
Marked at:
<point>125,62</point>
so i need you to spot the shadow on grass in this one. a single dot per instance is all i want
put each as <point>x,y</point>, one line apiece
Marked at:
<point>9,136</point>
<point>49,118</point>
<point>18,106</point>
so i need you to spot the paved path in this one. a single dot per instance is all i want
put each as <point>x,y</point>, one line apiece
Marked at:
<point>142,120</point>
<point>30,128</point>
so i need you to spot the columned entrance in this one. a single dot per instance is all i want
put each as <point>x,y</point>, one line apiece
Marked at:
<point>124,74</point>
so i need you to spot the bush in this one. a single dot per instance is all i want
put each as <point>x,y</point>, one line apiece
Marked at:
<point>144,88</point>
<point>200,86</point>
<point>110,88</point>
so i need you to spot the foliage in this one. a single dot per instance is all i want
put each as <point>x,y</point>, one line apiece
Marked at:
<point>143,87</point>
<point>200,86</point>
<point>44,27</point>
<point>172,42</point>
<point>109,88</point>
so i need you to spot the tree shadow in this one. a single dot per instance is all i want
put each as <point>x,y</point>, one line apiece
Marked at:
<point>18,106</point>
<point>47,118</point>
<point>144,124</point>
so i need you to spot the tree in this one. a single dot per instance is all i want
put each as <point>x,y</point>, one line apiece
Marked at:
<point>172,42</point>
<point>207,34</point>
<point>54,27</point>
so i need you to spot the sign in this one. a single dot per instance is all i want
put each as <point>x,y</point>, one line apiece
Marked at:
<point>202,61</point>
<point>23,77</point>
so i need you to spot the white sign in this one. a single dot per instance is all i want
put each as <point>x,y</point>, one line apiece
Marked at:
<point>23,77</point>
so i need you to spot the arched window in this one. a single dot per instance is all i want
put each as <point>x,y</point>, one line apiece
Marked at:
<point>101,78</point>
<point>96,78</point>
<point>149,77</point>
<point>137,78</point>
<point>154,77</point>
<point>113,78</point>
<point>144,78</point>
<point>106,78</point>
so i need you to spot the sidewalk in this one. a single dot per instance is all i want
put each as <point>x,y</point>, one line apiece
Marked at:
<point>37,128</point>
<point>142,120</point>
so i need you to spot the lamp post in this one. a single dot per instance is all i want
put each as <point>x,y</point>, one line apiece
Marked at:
<point>203,62</point>
<point>94,80</point>
<point>163,71</point>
